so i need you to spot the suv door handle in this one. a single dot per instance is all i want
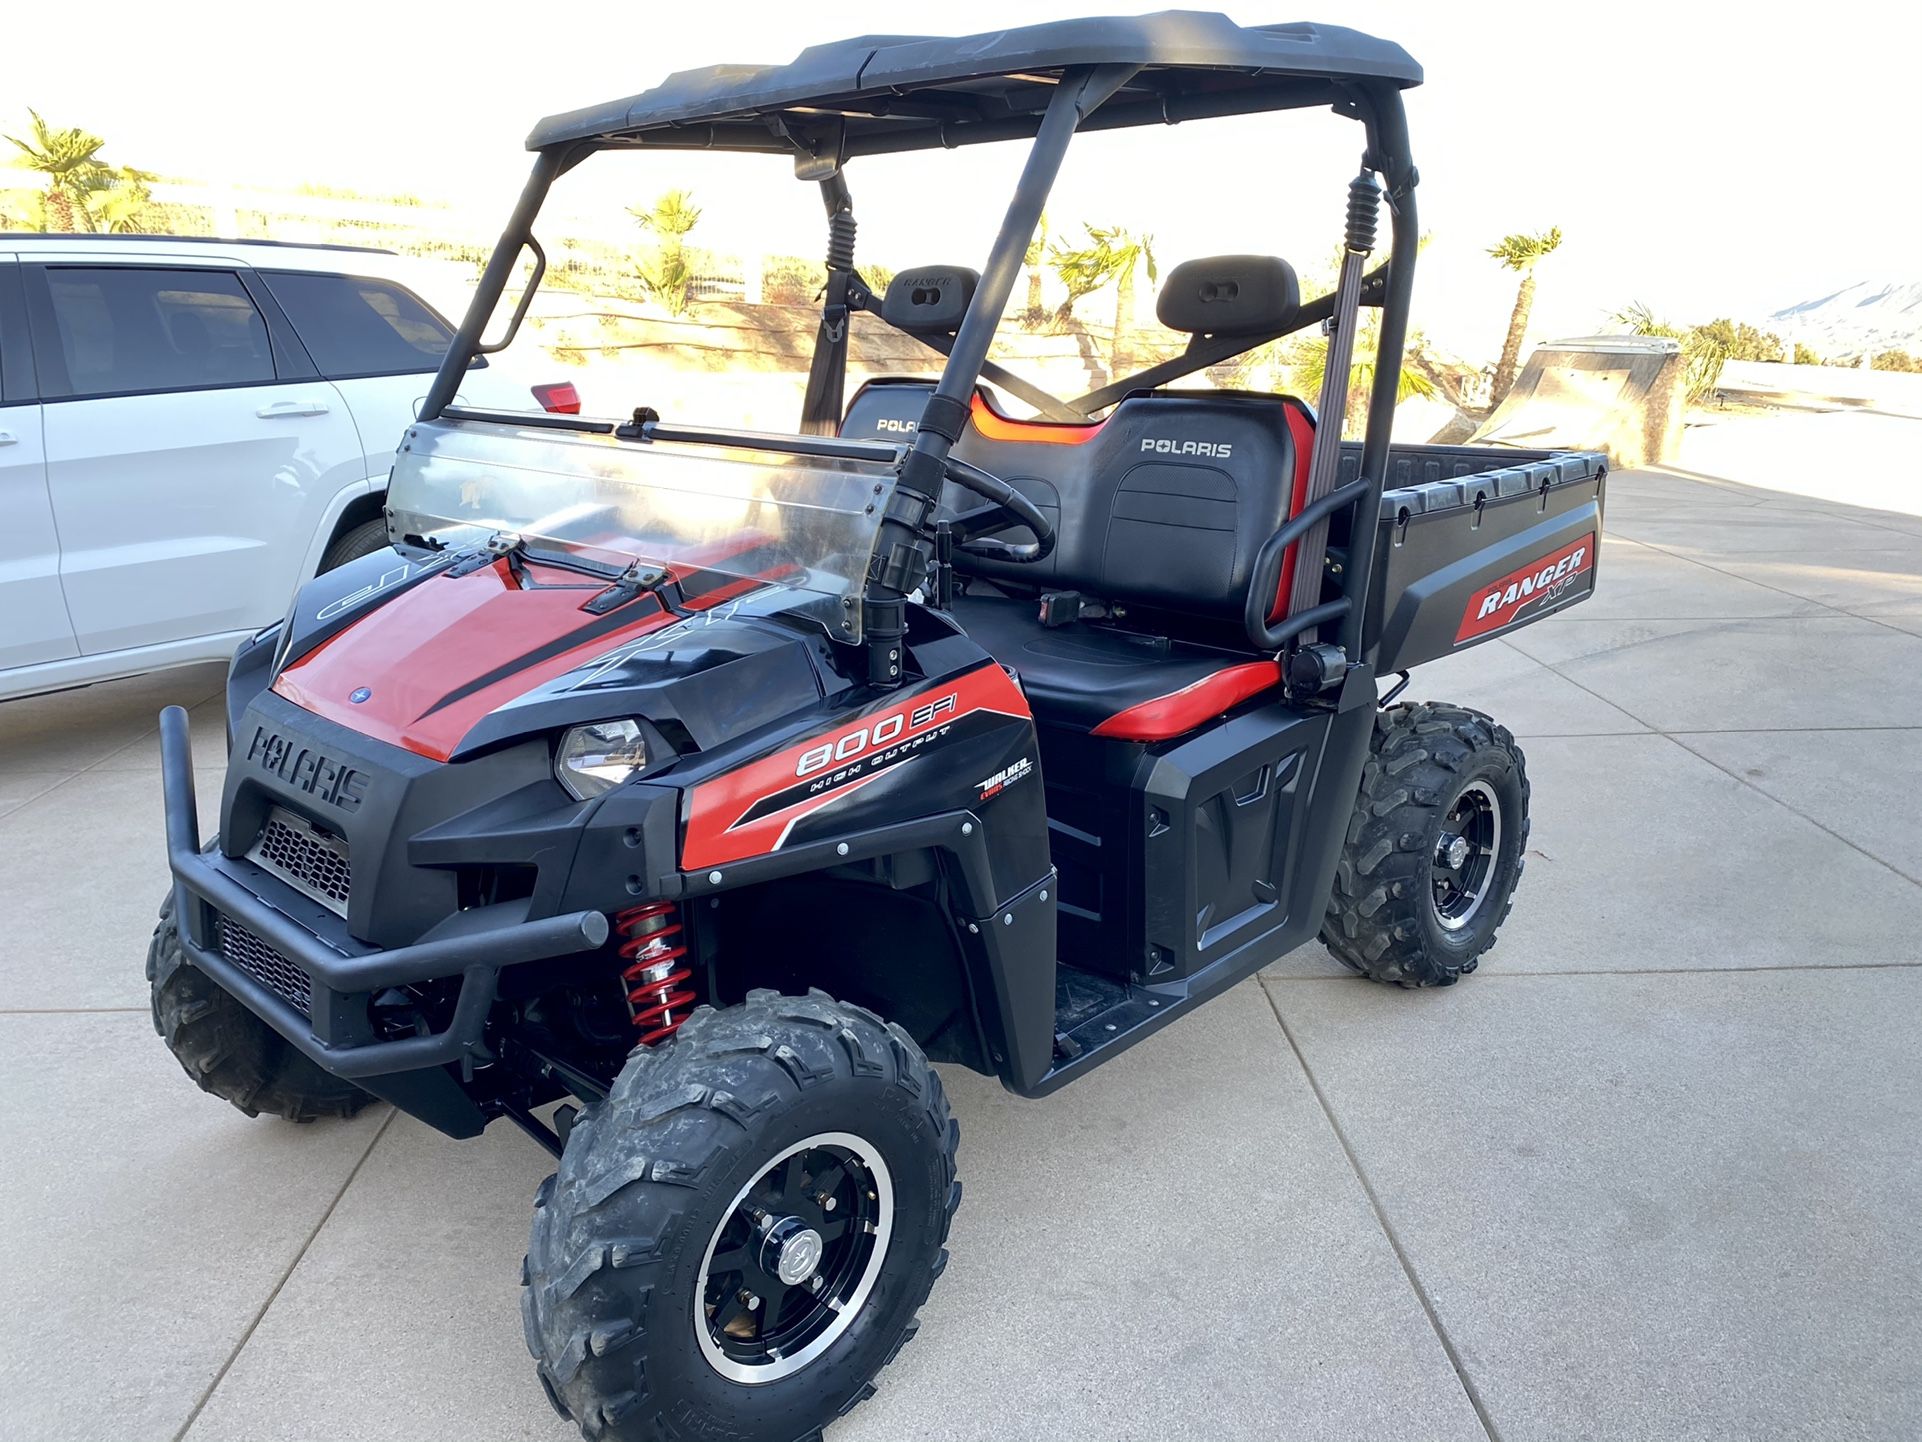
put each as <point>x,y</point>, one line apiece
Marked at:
<point>8,438</point>
<point>292,408</point>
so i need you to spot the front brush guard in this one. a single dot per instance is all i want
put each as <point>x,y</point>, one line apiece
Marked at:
<point>337,1034</point>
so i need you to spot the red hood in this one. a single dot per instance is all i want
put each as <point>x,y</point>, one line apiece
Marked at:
<point>422,669</point>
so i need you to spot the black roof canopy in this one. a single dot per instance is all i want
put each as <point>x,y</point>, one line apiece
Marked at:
<point>888,93</point>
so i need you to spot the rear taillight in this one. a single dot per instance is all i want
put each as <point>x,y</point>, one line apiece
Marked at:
<point>561,398</point>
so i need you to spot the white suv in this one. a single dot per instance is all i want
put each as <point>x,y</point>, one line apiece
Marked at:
<point>189,430</point>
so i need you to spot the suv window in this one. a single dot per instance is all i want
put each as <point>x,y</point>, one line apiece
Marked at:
<point>124,329</point>
<point>354,326</point>
<point>15,368</point>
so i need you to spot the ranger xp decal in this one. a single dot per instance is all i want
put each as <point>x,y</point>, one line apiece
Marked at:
<point>750,811</point>
<point>1536,587</point>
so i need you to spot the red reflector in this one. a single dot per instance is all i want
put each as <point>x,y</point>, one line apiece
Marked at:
<point>561,398</point>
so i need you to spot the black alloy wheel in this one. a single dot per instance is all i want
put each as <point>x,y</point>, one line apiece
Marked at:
<point>793,1261</point>
<point>1466,854</point>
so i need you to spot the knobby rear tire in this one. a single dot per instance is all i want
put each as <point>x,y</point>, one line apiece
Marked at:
<point>1382,919</point>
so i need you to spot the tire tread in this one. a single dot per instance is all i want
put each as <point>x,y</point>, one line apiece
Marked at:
<point>773,1048</point>
<point>1373,925</point>
<point>227,1050</point>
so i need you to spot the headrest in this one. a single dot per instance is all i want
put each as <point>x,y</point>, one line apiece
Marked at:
<point>931,300</point>
<point>1228,295</point>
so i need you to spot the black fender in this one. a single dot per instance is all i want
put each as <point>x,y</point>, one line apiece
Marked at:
<point>947,767</point>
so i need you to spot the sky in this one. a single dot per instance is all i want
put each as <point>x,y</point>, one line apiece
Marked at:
<point>1706,159</point>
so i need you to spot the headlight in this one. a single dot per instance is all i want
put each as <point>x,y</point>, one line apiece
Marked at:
<point>598,757</point>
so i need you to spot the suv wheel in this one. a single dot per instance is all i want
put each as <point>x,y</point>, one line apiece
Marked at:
<point>739,1237</point>
<point>1434,849</point>
<point>363,540</point>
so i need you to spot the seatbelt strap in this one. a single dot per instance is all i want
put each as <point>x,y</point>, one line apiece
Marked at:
<point>1311,552</point>
<point>825,397</point>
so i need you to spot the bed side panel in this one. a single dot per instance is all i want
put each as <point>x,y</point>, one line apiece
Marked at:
<point>1463,560</point>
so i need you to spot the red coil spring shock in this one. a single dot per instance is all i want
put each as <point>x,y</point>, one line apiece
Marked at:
<point>659,990</point>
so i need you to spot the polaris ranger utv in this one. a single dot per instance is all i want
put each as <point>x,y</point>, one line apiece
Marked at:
<point>709,783</point>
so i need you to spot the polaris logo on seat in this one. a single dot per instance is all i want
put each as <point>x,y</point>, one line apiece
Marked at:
<point>1219,450</point>
<point>888,423</point>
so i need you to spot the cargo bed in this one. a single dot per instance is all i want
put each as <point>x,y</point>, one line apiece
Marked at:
<point>1474,542</point>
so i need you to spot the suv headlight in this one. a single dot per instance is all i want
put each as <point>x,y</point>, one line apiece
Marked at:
<point>598,757</point>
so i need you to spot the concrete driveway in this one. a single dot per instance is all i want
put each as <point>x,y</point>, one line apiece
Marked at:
<point>1652,1173</point>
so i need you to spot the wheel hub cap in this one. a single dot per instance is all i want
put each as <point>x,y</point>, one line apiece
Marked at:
<point>792,1250</point>
<point>1455,850</point>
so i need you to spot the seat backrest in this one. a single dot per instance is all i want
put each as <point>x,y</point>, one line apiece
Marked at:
<point>1166,500</point>
<point>1163,503</point>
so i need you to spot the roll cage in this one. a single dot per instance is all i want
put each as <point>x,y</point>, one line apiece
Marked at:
<point>887,95</point>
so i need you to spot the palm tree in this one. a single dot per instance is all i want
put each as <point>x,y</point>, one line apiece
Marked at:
<point>70,160</point>
<point>1308,364</point>
<point>1703,352</point>
<point>119,201</point>
<point>666,275</point>
<point>1033,316</point>
<point>1306,360</point>
<point>1520,253</point>
<point>1129,252</point>
<point>1080,272</point>
<point>1111,254</point>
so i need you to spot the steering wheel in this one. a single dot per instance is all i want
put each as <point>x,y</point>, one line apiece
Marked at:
<point>1006,507</point>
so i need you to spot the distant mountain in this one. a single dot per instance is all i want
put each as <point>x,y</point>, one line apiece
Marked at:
<point>1868,315</point>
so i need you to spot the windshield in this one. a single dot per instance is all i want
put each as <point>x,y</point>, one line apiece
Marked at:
<point>803,523</point>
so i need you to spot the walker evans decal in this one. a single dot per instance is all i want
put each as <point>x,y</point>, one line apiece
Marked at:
<point>1535,587</point>
<point>994,785</point>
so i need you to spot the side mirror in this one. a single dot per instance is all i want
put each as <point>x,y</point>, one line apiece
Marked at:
<point>930,300</point>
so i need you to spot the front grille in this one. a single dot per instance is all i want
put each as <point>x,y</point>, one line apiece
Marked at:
<point>266,965</point>
<point>310,860</point>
